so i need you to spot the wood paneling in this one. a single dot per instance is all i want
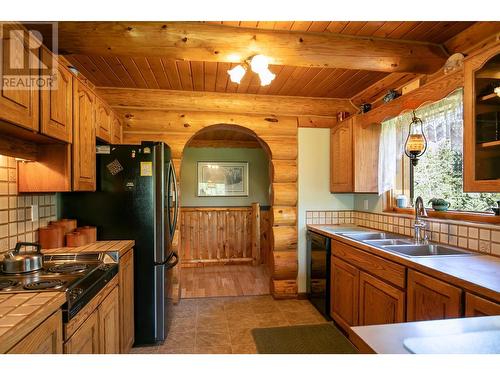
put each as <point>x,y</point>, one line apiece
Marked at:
<point>191,41</point>
<point>116,130</point>
<point>379,302</point>
<point>126,287</point>
<point>344,293</point>
<point>297,81</point>
<point>477,306</point>
<point>149,99</point>
<point>429,298</point>
<point>45,339</point>
<point>216,234</point>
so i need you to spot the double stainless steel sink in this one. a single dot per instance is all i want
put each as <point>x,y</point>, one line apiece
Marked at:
<point>404,245</point>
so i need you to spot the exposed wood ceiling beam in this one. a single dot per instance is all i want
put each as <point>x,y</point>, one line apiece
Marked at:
<point>223,102</point>
<point>473,37</point>
<point>205,42</point>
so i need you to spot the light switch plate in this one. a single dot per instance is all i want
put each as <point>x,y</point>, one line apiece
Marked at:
<point>33,213</point>
<point>365,204</point>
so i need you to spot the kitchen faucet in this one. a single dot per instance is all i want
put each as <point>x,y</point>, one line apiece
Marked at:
<point>420,236</point>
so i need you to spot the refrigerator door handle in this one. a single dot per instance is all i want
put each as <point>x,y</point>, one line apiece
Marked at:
<point>168,263</point>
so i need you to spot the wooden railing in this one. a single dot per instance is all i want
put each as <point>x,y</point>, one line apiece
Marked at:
<point>223,235</point>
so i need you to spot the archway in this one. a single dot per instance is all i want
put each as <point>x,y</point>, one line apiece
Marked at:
<point>279,135</point>
<point>225,219</point>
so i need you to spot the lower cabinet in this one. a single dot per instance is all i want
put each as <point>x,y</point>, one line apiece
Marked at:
<point>344,293</point>
<point>100,331</point>
<point>85,340</point>
<point>109,324</point>
<point>429,298</point>
<point>478,306</point>
<point>379,302</point>
<point>45,339</point>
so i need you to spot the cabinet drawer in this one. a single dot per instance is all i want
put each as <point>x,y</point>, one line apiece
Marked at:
<point>385,269</point>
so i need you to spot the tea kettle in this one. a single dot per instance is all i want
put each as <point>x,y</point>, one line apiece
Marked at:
<point>13,262</point>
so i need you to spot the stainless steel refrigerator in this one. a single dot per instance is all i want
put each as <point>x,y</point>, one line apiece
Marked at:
<point>136,198</point>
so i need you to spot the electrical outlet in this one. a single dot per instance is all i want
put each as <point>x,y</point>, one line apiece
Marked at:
<point>365,204</point>
<point>33,213</point>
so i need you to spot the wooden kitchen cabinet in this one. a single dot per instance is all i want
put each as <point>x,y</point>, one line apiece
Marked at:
<point>84,160</point>
<point>103,118</point>
<point>481,121</point>
<point>18,106</point>
<point>344,293</point>
<point>45,339</point>
<point>56,118</point>
<point>126,275</point>
<point>478,306</point>
<point>429,298</point>
<point>379,302</point>
<point>109,323</point>
<point>85,340</point>
<point>341,153</point>
<point>354,157</point>
<point>116,130</point>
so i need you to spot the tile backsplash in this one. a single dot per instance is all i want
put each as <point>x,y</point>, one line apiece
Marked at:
<point>484,238</point>
<point>15,209</point>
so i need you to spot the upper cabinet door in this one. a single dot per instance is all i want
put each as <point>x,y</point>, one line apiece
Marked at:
<point>482,122</point>
<point>57,103</point>
<point>341,153</point>
<point>116,130</point>
<point>84,167</point>
<point>19,105</point>
<point>103,121</point>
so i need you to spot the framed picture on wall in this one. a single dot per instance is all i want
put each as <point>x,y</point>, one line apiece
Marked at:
<point>222,179</point>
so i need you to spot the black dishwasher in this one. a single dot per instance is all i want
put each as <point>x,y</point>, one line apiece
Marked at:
<point>318,272</point>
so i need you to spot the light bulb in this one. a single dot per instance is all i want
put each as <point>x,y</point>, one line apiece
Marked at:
<point>266,77</point>
<point>237,73</point>
<point>259,63</point>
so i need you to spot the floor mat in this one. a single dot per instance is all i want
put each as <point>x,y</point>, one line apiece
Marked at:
<point>303,339</point>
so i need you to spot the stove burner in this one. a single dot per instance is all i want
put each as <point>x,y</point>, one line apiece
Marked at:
<point>69,268</point>
<point>4,284</point>
<point>44,284</point>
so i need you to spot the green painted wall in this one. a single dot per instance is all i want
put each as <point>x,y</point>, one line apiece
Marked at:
<point>258,176</point>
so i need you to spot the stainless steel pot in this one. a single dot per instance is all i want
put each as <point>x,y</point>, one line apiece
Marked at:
<point>13,262</point>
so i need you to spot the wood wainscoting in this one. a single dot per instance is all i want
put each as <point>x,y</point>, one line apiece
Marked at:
<point>224,235</point>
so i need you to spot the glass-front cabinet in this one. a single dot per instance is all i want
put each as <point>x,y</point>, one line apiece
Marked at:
<point>482,121</point>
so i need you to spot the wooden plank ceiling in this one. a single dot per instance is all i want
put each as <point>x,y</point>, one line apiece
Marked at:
<point>162,73</point>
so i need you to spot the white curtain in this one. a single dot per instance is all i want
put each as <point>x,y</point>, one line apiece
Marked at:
<point>386,160</point>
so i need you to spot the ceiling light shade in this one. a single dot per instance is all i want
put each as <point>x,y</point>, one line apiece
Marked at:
<point>259,63</point>
<point>237,73</point>
<point>266,77</point>
<point>416,143</point>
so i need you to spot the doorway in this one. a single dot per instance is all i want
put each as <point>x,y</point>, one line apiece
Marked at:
<point>225,220</point>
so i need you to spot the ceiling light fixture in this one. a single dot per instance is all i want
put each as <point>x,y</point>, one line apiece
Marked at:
<point>258,64</point>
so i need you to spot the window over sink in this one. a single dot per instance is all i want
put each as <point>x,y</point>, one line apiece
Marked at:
<point>439,172</point>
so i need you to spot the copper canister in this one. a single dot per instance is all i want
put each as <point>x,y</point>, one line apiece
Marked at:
<point>90,233</point>
<point>51,237</point>
<point>68,225</point>
<point>75,239</point>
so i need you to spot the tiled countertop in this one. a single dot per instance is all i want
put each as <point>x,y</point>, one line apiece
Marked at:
<point>100,246</point>
<point>478,273</point>
<point>20,313</point>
